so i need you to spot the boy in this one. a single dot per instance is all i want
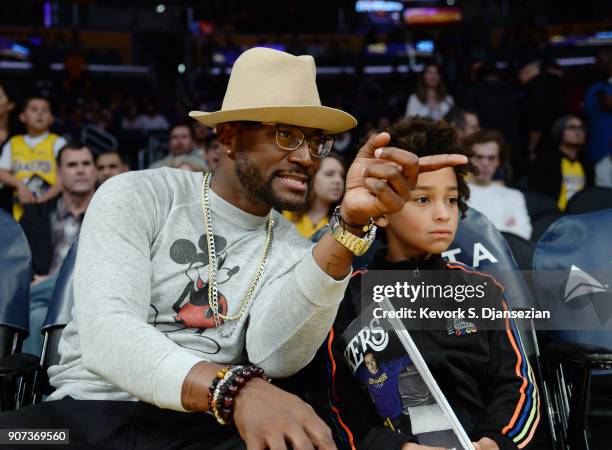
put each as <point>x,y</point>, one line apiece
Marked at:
<point>484,374</point>
<point>27,163</point>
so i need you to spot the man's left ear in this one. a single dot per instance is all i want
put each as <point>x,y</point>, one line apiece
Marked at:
<point>226,133</point>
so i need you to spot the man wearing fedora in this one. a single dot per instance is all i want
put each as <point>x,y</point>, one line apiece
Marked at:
<point>191,289</point>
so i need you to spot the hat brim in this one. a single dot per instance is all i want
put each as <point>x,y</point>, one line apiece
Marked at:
<point>330,120</point>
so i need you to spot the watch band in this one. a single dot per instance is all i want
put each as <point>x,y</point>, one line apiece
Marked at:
<point>357,245</point>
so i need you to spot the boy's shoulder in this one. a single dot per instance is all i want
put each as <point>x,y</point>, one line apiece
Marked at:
<point>469,272</point>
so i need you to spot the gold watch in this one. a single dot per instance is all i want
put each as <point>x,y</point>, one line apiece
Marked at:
<point>357,245</point>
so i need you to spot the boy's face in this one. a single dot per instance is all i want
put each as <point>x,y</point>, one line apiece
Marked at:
<point>428,221</point>
<point>37,115</point>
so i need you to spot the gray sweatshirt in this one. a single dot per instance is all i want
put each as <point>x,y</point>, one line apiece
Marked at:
<point>141,318</point>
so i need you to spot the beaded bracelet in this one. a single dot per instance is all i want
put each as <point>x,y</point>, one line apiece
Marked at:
<point>225,387</point>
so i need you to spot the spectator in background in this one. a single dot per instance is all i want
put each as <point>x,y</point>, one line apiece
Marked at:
<point>343,142</point>
<point>52,226</point>
<point>465,122</point>
<point>132,120</point>
<point>151,120</point>
<point>503,206</point>
<point>598,112</point>
<point>181,144</point>
<point>200,136</point>
<point>544,100</point>
<point>27,163</point>
<point>6,106</point>
<point>496,105</point>
<point>109,164</point>
<point>430,99</point>
<point>565,169</point>
<point>212,154</point>
<point>327,191</point>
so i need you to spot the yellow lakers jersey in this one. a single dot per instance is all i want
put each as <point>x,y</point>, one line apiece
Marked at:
<point>35,166</point>
<point>573,180</point>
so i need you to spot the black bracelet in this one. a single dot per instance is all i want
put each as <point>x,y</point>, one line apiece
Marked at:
<point>226,386</point>
<point>344,223</point>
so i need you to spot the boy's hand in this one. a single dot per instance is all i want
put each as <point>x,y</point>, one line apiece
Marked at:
<point>380,179</point>
<point>268,417</point>
<point>485,444</point>
<point>25,195</point>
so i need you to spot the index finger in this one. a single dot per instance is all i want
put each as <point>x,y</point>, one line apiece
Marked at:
<point>436,162</point>
<point>408,160</point>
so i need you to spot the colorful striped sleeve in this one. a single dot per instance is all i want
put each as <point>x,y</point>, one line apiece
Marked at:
<point>513,412</point>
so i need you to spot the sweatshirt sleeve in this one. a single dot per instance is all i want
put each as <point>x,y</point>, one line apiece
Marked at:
<point>286,329</point>
<point>513,411</point>
<point>112,294</point>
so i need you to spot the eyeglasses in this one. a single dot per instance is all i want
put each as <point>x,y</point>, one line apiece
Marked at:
<point>289,137</point>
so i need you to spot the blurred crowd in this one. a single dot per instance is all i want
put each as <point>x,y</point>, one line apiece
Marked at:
<point>537,139</point>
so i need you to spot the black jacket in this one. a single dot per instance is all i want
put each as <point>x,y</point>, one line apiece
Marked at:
<point>36,224</point>
<point>485,375</point>
<point>545,173</point>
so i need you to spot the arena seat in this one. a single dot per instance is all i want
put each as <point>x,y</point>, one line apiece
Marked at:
<point>538,203</point>
<point>15,278</point>
<point>58,316</point>
<point>541,222</point>
<point>572,279</point>
<point>522,250</point>
<point>590,200</point>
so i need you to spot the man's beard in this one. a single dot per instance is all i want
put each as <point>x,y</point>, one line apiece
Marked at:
<point>254,184</point>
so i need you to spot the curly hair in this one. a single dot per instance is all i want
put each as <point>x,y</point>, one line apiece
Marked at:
<point>426,137</point>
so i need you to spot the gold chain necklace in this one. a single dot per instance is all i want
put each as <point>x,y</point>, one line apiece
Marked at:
<point>213,294</point>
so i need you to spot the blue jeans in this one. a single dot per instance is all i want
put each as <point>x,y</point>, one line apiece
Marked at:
<point>40,295</point>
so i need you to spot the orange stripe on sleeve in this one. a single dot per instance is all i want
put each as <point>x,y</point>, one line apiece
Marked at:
<point>333,363</point>
<point>518,373</point>
<point>345,428</point>
<point>514,346</point>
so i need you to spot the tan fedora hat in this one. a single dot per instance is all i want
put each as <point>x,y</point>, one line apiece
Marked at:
<point>271,86</point>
